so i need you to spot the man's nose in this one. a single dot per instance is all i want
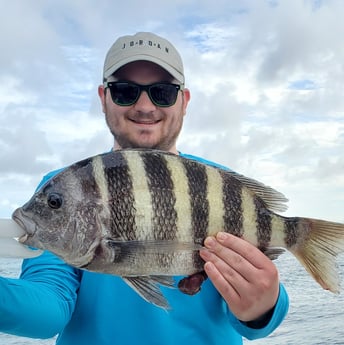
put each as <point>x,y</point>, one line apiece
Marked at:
<point>144,103</point>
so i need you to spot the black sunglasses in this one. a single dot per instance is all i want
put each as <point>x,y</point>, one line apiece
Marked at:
<point>127,93</point>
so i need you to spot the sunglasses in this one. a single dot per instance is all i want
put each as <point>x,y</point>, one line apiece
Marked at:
<point>127,93</point>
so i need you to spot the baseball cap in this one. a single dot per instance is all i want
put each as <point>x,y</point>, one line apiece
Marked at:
<point>144,46</point>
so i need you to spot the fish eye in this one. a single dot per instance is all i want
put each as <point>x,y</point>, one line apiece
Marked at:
<point>55,200</point>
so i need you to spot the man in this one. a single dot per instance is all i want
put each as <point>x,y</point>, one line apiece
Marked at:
<point>144,101</point>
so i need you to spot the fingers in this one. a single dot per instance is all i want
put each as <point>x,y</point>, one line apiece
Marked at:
<point>231,255</point>
<point>243,249</point>
<point>243,275</point>
<point>225,268</point>
<point>222,281</point>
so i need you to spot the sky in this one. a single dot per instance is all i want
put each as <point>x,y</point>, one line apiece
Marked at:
<point>266,81</point>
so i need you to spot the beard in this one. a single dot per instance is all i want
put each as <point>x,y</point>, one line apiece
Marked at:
<point>162,138</point>
<point>144,140</point>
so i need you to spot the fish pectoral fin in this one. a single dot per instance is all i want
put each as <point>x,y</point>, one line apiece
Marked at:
<point>147,287</point>
<point>273,252</point>
<point>152,246</point>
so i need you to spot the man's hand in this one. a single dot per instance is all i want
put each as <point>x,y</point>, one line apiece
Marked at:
<point>243,275</point>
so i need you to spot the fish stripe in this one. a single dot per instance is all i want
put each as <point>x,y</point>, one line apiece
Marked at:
<point>233,201</point>
<point>120,188</point>
<point>264,224</point>
<point>291,231</point>
<point>83,186</point>
<point>215,201</point>
<point>249,216</point>
<point>198,189</point>
<point>163,200</point>
<point>102,186</point>
<point>164,214</point>
<point>101,180</point>
<point>142,200</point>
<point>183,202</point>
<point>277,233</point>
<point>83,180</point>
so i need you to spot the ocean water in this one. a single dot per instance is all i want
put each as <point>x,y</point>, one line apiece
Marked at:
<point>316,317</point>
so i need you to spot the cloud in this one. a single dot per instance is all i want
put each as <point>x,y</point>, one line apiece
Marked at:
<point>266,82</point>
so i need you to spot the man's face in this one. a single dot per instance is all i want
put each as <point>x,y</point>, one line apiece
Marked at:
<point>144,124</point>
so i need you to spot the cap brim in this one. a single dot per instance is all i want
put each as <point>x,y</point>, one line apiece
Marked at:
<point>176,74</point>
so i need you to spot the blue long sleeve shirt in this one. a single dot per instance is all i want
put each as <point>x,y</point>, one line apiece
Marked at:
<point>83,307</point>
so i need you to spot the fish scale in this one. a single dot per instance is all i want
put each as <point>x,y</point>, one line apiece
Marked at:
<point>161,188</point>
<point>264,225</point>
<point>198,195</point>
<point>291,231</point>
<point>237,207</point>
<point>140,205</point>
<point>121,199</point>
<point>216,206</point>
<point>144,214</point>
<point>183,204</point>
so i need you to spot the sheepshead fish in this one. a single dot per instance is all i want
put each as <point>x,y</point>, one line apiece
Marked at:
<point>144,214</point>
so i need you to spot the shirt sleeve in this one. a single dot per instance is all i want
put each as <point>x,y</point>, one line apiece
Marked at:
<point>41,302</point>
<point>278,315</point>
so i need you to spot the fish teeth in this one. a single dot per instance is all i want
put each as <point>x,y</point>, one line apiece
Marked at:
<point>23,238</point>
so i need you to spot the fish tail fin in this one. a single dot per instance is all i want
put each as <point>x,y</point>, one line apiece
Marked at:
<point>318,249</point>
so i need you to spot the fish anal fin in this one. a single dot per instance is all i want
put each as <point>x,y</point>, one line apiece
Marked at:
<point>166,281</point>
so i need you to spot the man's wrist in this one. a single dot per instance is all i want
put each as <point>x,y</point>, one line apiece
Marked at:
<point>260,322</point>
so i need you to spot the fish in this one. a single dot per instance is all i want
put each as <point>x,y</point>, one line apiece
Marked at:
<point>144,214</point>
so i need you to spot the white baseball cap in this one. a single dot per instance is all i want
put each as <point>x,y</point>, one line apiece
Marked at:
<point>144,46</point>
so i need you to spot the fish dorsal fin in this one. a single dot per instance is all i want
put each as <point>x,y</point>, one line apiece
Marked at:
<point>274,200</point>
<point>147,287</point>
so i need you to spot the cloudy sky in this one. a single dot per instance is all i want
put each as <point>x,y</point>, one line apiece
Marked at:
<point>266,78</point>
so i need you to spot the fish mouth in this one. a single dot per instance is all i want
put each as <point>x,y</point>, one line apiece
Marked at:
<point>26,224</point>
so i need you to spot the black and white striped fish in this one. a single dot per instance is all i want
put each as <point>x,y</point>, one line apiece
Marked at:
<point>144,214</point>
